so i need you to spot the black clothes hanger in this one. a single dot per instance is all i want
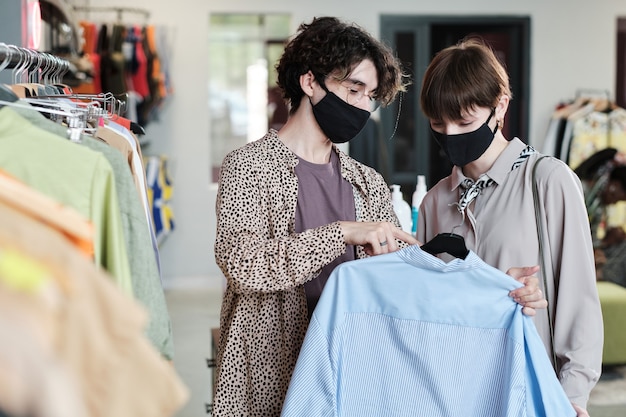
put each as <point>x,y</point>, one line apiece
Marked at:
<point>448,243</point>
<point>137,129</point>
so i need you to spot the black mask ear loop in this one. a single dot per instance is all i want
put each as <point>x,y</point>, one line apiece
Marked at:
<point>320,80</point>
<point>320,83</point>
<point>395,126</point>
<point>493,113</point>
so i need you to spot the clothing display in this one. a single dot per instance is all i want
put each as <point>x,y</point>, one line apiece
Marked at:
<point>79,264</point>
<point>143,264</point>
<point>583,127</point>
<point>127,59</point>
<point>496,228</point>
<point>406,331</point>
<point>160,190</point>
<point>39,158</point>
<point>264,304</point>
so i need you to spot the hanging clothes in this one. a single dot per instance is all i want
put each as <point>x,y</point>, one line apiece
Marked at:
<point>40,159</point>
<point>160,191</point>
<point>583,127</point>
<point>127,144</point>
<point>128,59</point>
<point>93,85</point>
<point>112,63</point>
<point>94,330</point>
<point>143,260</point>
<point>78,262</point>
<point>137,62</point>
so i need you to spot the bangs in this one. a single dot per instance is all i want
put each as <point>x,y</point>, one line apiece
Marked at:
<point>448,100</point>
<point>458,81</point>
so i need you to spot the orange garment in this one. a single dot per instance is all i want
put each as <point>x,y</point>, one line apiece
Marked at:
<point>45,209</point>
<point>90,39</point>
<point>156,75</point>
<point>96,331</point>
<point>157,78</point>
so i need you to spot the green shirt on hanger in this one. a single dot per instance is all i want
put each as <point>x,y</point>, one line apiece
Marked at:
<point>73,175</point>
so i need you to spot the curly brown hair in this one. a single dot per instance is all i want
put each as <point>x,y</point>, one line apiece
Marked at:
<point>328,46</point>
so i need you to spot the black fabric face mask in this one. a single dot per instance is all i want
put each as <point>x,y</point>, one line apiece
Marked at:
<point>467,147</point>
<point>339,120</point>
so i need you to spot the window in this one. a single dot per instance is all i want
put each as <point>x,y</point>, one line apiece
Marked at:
<point>243,104</point>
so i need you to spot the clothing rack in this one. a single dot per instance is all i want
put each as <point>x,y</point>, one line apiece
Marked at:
<point>32,62</point>
<point>119,10</point>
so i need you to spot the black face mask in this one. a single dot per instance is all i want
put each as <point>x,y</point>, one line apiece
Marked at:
<point>467,147</point>
<point>339,120</point>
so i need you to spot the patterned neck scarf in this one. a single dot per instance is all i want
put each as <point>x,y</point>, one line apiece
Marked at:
<point>472,189</point>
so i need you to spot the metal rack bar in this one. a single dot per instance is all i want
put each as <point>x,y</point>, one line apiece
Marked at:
<point>32,62</point>
<point>119,10</point>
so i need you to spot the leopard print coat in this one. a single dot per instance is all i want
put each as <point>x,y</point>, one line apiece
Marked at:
<point>264,311</point>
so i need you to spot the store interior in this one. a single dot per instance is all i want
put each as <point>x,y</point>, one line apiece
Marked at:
<point>195,80</point>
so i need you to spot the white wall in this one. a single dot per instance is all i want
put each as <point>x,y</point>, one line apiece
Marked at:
<point>573,45</point>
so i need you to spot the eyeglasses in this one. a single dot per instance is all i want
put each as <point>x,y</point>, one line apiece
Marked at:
<point>357,92</point>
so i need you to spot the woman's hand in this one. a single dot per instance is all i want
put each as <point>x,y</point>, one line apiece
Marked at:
<point>530,296</point>
<point>375,237</point>
<point>580,412</point>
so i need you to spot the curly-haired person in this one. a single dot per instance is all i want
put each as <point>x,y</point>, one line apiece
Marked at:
<point>291,206</point>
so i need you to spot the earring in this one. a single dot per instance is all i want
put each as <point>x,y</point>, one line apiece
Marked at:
<point>500,124</point>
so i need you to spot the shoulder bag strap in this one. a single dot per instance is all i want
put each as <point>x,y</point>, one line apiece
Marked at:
<point>544,271</point>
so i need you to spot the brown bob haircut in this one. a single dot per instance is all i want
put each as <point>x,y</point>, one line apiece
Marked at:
<point>461,78</point>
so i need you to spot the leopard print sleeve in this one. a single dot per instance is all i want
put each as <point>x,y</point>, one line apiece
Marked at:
<point>255,246</point>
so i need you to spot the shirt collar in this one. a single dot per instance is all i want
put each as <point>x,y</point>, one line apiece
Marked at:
<point>415,256</point>
<point>499,170</point>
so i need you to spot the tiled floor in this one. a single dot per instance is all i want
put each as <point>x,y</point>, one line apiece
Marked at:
<point>608,399</point>
<point>195,311</point>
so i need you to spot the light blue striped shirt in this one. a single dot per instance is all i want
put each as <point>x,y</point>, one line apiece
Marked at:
<point>406,334</point>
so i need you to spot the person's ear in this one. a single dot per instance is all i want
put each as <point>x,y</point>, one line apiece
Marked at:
<point>306,83</point>
<point>501,108</point>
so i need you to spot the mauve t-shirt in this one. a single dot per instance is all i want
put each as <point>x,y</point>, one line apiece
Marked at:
<point>324,197</point>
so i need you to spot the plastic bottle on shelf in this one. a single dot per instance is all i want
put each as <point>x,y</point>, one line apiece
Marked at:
<point>418,196</point>
<point>401,208</point>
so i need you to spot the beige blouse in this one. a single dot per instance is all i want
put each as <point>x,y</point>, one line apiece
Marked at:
<point>500,227</point>
<point>264,310</point>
